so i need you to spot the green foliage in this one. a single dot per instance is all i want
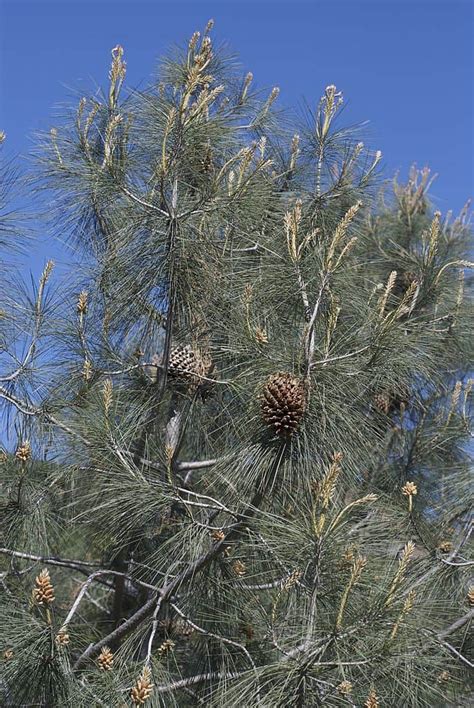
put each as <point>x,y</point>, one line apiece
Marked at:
<point>181,530</point>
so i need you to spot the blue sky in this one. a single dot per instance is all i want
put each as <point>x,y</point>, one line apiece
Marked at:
<point>406,66</point>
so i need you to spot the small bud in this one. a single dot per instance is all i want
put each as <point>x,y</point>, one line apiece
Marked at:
<point>105,659</point>
<point>62,638</point>
<point>82,302</point>
<point>87,370</point>
<point>372,700</point>
<point>292,580</point>
<point>193,41</point>
<point>445,547</point>
<point>23,452</point>
<point>239,568</point>
<point>165,647</point>
<point>409,489</point>
<point>344,688</point>
<point>108,395</point>
<point>218,535</point>
<point>274,94</point>
<point>46,272</point>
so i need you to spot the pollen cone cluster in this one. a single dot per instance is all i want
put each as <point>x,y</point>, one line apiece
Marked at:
<point>189,366</point>
<point>43,593</point>
<point>283,403</point>
<point>106,659</point>
<point>142,689</point>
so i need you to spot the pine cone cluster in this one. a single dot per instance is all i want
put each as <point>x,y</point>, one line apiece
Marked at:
<point>283,403</point>
<point>189,366</point>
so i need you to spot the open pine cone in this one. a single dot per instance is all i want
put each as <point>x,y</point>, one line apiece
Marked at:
<point>405,279</point>
<point>388,402</point>
<point>188,366</point>
<point>283,403</point>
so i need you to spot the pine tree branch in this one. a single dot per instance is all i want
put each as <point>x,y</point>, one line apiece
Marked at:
<point>197,464</point>
<point>462,541</point>
<point>94,576</point>
<point>310,338</point>
<point>457,653</point>
<point>52,560</point>
<point>36,330</point>
<point>207,633</point>
<point>339,358</point>
<point>29,410</point>
<point>456,625</point>
<point>77,565</point>
<point>199,678</point>
<point>143,203</point>
<point>164,594</point>
<point>265,586</point>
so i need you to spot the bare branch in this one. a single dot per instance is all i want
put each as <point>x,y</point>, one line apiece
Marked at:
<point>51,560</point>
<point>199,678</point>
<point>197,464</point>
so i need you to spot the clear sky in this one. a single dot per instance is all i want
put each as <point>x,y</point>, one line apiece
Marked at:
<point>404,65</point>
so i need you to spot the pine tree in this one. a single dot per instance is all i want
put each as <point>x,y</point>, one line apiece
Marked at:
<point>237,468</point>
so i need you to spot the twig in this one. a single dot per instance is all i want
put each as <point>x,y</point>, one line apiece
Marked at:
<point>458,654</point>
<point>207,633</point>
<point>153,631</point>
<point>456,625</point>
<point>26,409</point>
<point>90,580</point>
<point>51,560</point>
<point>143,203</point>
<point>199,678</point>
<point>197,464</point>
<point>463,540</point>
<point>310,339</point>
<point>338,358</point>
